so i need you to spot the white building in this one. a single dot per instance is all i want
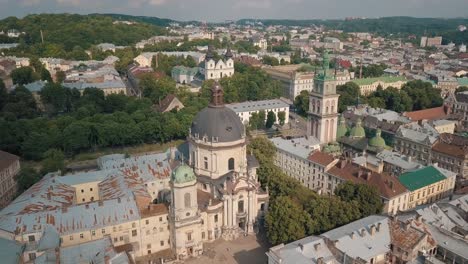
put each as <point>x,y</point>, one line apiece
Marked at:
<point>245,109</point>
<point>146,58</point>
<point>215,70</point>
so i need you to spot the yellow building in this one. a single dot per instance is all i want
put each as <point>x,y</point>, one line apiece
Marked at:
<point>427,185</point>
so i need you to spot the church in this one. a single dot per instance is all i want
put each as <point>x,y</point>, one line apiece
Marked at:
<point>215,69</point>
<point>152,206</point>
<point>220,169</point>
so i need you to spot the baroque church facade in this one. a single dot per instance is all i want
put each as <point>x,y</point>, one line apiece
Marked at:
<point>218,169</point>
<point>213,69</point>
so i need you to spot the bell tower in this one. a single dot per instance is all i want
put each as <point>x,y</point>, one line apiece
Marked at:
<point>323,104</point>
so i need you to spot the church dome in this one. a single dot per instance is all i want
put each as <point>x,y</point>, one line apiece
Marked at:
<point>377,141</point>
<point>358,131</point>
<point>183,174</point>
<point>342,128</point>
<point>216,122</point>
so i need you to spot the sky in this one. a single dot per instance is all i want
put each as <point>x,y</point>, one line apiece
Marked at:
<point>220,10</point>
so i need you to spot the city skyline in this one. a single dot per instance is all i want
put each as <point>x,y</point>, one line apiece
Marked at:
<point>216,11</point>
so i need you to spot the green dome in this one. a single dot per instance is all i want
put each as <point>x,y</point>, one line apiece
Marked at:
<point>358,131</point>
<point>183,174</point>
<point>377,141</point>
<point>342,128</point>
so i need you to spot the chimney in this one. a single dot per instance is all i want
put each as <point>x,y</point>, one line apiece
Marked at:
<point>320,261</point>
<point>363,232</point>
<point>406,226</point>
<point>352,235</point>
<point>118,200</point>
<point>369,175</point>
<point>48,196</point>
<point>172,151</point>
<point>342,164</point>
<point>317,246</point>
<point>64,209</point>
<point>301,246</point>
<point>391,184</point>
<point>360,173</point>
<point>100,203</point>
<point>418,218</point>
<point>379,225</point>
<point>372,230</point>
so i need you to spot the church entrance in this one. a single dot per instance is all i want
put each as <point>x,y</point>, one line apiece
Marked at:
<point>190,251</point>
<point>242,223</point>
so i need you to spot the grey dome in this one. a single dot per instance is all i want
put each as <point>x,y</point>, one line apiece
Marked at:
<point>219,122</point>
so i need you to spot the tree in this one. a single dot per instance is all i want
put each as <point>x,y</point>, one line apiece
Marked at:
<point>366,196</point>
<point>54,97</point>
<point>271,119</point>
<point>24,75</point>
<point>458,90</point>
<point>3,94</point>
<point>282,117</point>
<point>301,102</point>
<point>54,160</point>
<point>268,60</point>
<point>349,94</point>
<point>285,221</point>
<point>156,89</point>
<point>60,76</point>
<point>261,119</point>
<point>27,177</point>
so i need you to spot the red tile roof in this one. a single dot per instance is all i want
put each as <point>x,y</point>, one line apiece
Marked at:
<point>385,184</point>
<point>7,159</point>
<point>452,145</point>
<point>321,158</point>
<point>428,114</point>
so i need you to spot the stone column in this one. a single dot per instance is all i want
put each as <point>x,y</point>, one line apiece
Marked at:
<point>234,211</point>
<point>225,209</point>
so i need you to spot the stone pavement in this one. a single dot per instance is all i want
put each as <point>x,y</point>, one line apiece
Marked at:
<point>250,249</point>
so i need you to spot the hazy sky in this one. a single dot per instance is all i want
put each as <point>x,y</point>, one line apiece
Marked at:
<point>220,10</point>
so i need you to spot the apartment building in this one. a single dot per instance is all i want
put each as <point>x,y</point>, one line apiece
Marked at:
<point>450,152</point>
<point>370,85</point>
<point>9,168</point>
<point>427,185</point>
<point>292,80</point>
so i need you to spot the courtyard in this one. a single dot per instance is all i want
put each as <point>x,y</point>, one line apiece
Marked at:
<point>248,249</point>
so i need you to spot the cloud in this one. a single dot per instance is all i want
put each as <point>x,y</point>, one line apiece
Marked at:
<point>254,4</point>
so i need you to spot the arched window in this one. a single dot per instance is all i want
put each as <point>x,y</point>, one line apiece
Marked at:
<point>231,164</point>
<point>187,200</point>
<point>240,206</point>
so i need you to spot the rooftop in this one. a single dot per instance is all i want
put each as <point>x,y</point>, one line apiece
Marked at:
<point>385,79</point>
<point>300,147</point>
<point>427,114</point>
<point>257,105</point>
<point>417,179</point>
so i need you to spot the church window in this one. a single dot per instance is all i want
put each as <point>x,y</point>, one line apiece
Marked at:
<point>206,162</point>
<point>216,218</point>
<point>240,206</point>
<point>221,67</point>
<point>262,207</point>
<point>187,200</point>
<point>212,75</point>
<point>205,186</point>
<point>231,164</point>
<point>189,236</point>
<point>134,232</point>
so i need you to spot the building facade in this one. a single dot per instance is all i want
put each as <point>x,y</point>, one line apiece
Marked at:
<point>246,109</point>
<point>9,168</point>
<point>370,85</point>
<point>215,70</point>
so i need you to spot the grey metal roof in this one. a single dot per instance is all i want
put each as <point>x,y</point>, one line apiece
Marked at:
<point>218,124</point>
<point>300,147</point>
<point>367,246</point>
<point>10,251</point>
<point>398,160</point>
<point>91,252</point>
<point>257,105</point>
<point>305,251</point>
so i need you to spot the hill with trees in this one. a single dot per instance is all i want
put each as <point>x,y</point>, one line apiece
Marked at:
<point>400,26</point>
<point>65,34</point>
